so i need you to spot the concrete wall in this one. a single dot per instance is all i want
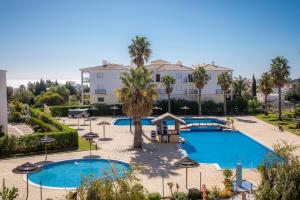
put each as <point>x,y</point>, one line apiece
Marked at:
<point>3,101</point>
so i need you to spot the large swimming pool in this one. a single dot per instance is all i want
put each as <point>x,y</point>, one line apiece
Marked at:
<point>68,174</point>
<point>225,148</point>
<point>147,121</point>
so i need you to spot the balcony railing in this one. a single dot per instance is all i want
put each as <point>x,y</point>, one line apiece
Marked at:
<point>100,91</point>
<point>85,80</point>
<point>191,91</point>
<point>219,91</point>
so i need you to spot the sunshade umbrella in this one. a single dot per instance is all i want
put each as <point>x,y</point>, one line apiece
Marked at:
<point>90,136</point>
<point>156,108</point>
<point>26,168</point>
<point>103,123</point>
<point>185,108</point>
<point>114,108</point>
<point>46,140</point>
<point>186,163</point>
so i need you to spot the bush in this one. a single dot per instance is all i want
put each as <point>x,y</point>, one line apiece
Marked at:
<point>1,131</point>
<point>212,108</point>
<point>297,111</point>
<point>239,105</point>
<point>179,196</point>
<point>194,194</point>
<point>154,196</point>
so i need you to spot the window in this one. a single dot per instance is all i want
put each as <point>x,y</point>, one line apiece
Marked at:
<point>190,78</point>
<point>100,99</point>
<point>100,75</point>
<point>178,76</point>
<point>157,77</point>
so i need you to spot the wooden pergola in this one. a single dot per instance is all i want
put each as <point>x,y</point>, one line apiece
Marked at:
<point>173,135</point>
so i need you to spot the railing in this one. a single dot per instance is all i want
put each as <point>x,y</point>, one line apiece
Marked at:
<point>191,91</point>
<point>100,91</point>
<point>85,80</point>
<point>219,91</point>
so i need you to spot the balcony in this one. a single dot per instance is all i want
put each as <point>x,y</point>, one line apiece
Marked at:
<point>85,80</point>
<point>160,91</point>
<point>100,91</point>
<point>219,91</point>
<point>191,91</point>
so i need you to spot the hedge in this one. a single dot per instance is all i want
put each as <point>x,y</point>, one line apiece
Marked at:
<point>102,110</point>
<point>66,138</point>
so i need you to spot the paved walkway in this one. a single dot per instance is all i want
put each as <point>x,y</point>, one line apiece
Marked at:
<point>19,129</point>
<point>158,159</point>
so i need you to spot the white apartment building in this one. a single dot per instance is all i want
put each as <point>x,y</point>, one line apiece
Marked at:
<point>3,101</point>
<point>99,83</point>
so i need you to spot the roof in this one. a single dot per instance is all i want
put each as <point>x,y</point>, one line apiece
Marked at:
<point>162,65</point>
<point>211,67</point>
<point>106,67</point>
<point>165,116</point>
<point>159,61</point>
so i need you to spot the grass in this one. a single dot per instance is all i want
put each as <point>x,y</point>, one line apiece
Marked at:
<point>84,145</point>
<point>288,124</point>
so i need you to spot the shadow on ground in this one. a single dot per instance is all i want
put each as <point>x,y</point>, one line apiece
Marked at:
<point>245,120</point>
<point>43,162</point>
<point>91,157</point>
<point>158,159</point>
<point>105,139</point>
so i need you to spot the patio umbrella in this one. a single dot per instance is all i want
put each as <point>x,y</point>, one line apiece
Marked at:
<point>26,168</point>
<point>114,108</point>
<point>186,163</point>
<point>156,108</point>
<point>103,123</point>
<point>46,140</point>
<point>90,136</point>
<point>185,108</point>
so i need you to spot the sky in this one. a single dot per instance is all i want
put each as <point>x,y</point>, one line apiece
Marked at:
<point>53,39</point>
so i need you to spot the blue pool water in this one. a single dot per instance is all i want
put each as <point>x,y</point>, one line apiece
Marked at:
<point>68,174</point>
<point>225,148</point>
<point>147,121</point>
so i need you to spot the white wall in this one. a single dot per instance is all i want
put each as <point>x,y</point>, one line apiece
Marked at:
<point>3,101</point>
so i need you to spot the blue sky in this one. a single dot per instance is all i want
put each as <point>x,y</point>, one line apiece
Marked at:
<point>53,39</point>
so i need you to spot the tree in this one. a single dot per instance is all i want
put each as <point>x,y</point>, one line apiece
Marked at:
<point>49,98</point>
<point>62,91</point>
<point>280,71</point>
<point>71,88</point>
<point>280,180</point>
<point>253,86</point>
<point>137,95</point>
<point>266,87</point>
<point>10,91</point>
<point>23,95</point>
<point>225,81</point>
<point>200,79</point>
<point>239,86</point>
<point>139,50</point>
<point>168,82</point>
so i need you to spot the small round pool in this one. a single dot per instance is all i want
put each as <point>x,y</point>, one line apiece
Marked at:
<point>68,174</point>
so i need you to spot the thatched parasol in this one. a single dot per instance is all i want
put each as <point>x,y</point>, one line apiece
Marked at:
<point>156,108</point>
<point>103,123</point>
<point>90,136</point>
<point>114,108</point>
<point>46,140</point>
<point>186,163</point>
<point>26,168</point>
<point>185,108</point>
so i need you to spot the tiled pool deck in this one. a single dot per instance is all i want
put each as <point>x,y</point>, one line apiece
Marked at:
<point>157,158</point>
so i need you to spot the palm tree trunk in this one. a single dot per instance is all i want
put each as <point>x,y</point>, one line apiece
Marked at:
<point>137,140</point>
<point>266,105</point>
<point>169,103</point>
<point>225,104</point>
<point>199,102</point>
<point>279,104</point>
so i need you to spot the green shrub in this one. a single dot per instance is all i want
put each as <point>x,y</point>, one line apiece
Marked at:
<point>179,196</point>
<point>194,194</point>
<point>154,196</point>
<point>212,108</point>
<point>176,105</point>
<point>1,131</point>
<point>297,111</point>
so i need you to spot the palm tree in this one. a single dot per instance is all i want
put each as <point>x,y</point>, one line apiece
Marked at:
<point>225,81</point>
<point>239,86</point>
<point>168,82</point>
<point>266,87</point>
<point>139,50</point>
<point>137,95</point>
<point>280,72</point>
<point>200,79</point>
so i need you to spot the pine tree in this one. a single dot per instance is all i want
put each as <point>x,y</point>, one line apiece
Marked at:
<point>253,86</point>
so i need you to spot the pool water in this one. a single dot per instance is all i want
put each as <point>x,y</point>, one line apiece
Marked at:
<point>69,174</point>
<point>226,148</point>
<point>147,121</point>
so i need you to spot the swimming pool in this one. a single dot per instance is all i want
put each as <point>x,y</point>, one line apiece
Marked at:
<point>68,174</point>
<point>147,121</point>
<point>225,148</point>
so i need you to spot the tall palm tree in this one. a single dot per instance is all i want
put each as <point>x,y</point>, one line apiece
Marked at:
<point>139,50</point>
<point>168,82</point>
<point>266,87</point>
<point>137,95</point>
<point>200,79</point>
<point>225,81</point>
<point>280,71</point>
<point>239,86</point>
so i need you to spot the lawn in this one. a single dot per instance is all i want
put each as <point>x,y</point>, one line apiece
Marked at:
<point>84,145</point>
<point>289,124</point>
